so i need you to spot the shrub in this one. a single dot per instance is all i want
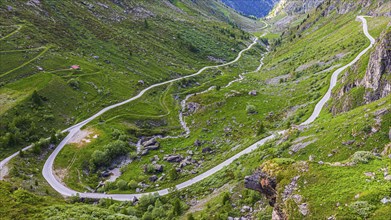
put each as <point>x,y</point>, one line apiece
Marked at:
<point>122,185</point>
<point>367,129</point>
<point>190,217</point>
<point>149,168</point>
<point>98,158</point>
<point>132,184</point>
<point>261,129</point>
<point>111,151</point>
<point>250,109</point>
<point>173,174</point>
<point>226,198</point>
<point>362,208</point>
<point>74,83</point>
<point>133,155</point>
<point>53,138</point>
<point>193,48</point>
<point>362,157</point>
<point>115,134</point>
<point>146,201</point>
<point>36,98</point>
<point>177,208</point>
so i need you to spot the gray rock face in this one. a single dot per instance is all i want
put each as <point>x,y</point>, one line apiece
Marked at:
<point>290,188</point>
<point>350,142</point>
<point>252,182</point>
<point>377,77</point>
<point>263,183</point>
<point>144,152</point>
<point>295,148</point>
<point>253,93</point>
<point>149,142</point>
<point>197,143</point>
<point>303,208</point>
<point>159,168</point>
<point>257,8</point>
<point>173,158</point>
<point>207,150</point>
<point>301,6</point>
<point>153,147</point>
<point>153,178</point>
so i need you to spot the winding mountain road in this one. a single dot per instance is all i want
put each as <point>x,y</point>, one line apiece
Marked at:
<point>47,170</point>
<point>334,77</point>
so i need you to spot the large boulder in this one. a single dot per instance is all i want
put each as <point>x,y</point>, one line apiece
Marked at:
<point>149,142</point>
<point>207,150</point>
<point>173,158</point>
<point>253,93</point>
<point>153,147</point>
<point>145,152</point>
<point>197,143</point>
<point>153,178</point>
<point>159,168</point>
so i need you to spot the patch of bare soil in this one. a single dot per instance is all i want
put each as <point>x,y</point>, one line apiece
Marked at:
<point>83,137</point>
<point>60,174</point>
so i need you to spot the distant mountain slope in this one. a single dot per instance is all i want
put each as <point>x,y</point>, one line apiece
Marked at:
<point>257,8</point>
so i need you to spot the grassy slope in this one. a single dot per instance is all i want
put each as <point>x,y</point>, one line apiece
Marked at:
<point>219,111</point>
<point>131,47</point>
<point>371,191</point>
<point>322,186</point>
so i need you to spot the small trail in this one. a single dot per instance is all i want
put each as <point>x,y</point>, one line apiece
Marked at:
<point>45,49</point>
<point>22,50</point>
<point>12,33</point>
<point>26,63</point>
<point>161,102</point>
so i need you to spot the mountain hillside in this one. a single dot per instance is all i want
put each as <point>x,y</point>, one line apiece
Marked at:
<point>194,109</point>
<point>256,8</point>
<point>329,169</point>
<point>117,48</point>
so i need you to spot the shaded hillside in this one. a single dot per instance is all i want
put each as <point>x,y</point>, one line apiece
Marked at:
<point>256,8</point>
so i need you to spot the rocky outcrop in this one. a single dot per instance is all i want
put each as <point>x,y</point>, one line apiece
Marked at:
<point>301,6</point>
<point>263,183</point>
<point>266,184</point>
<point>377,79</point>
<point>297,7</point>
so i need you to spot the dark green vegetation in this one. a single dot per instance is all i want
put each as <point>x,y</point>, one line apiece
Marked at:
<point>341,159</point>
<point>18,203</point>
